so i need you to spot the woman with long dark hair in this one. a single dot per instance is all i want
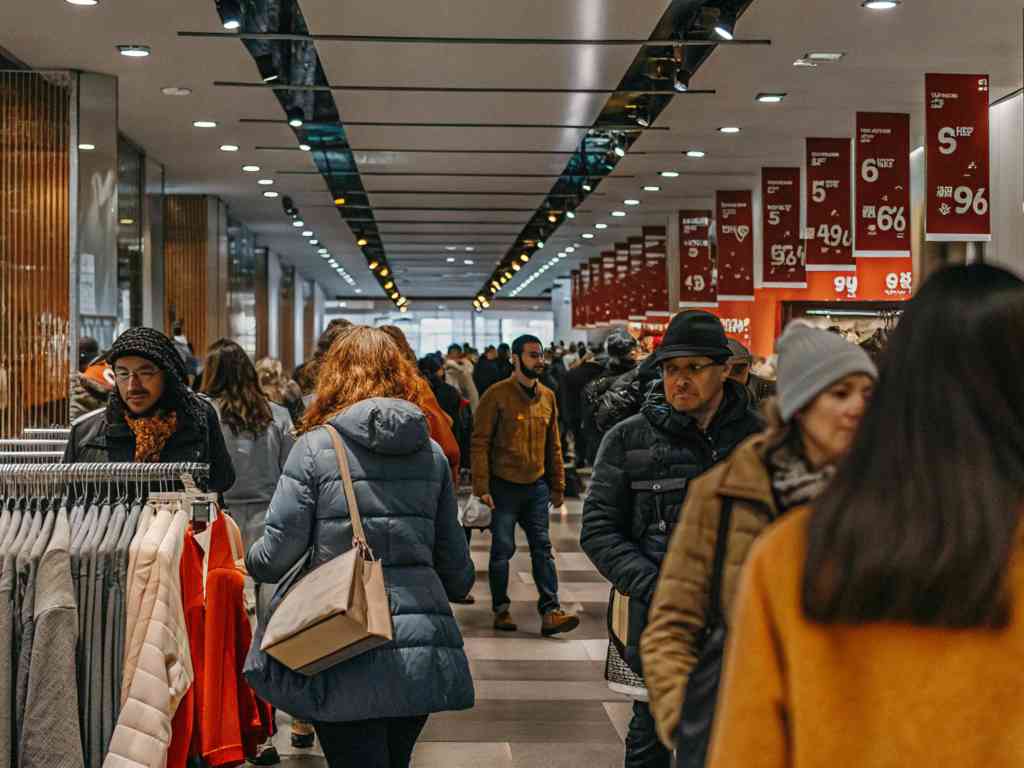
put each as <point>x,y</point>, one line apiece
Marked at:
<point>369,710</point>
<point>885,625</point>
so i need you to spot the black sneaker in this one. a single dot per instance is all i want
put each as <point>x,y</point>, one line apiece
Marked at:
<point>267,756</point>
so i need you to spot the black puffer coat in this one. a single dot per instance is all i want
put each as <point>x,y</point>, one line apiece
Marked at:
<point>593,395</point>
<point>641,478</point>
<point>627,394</point>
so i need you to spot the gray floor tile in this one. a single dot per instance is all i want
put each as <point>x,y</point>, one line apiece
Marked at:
<point>620,713</point>
<point>538,690</point>
<point>567,755</point>
<point>584,722</point>
<point>540,670</point>
<point>520,649</point>
<point>440,754</point>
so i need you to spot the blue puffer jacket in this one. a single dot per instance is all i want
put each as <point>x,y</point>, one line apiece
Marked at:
<point>404,489</point>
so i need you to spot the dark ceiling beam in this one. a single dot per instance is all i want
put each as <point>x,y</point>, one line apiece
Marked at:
<point>402,124</point>
<point>275,86</point>
<point>443,174</point>
<point>466,193</point>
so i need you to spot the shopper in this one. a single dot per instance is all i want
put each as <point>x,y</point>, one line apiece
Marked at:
<point>152,415</point>
<point>740,370</point>
<point>311,372</point>
<point>186,350</point>
<point>278,389</point>
<point>586,370</point>
<point>447,396</point>
<point>370,709</point>
<point>518,472</point>
<point>627,394</point>
<point>505,366</point>
<point>884,625</point>
<point>92,384</point>
<point>459,373</point>
<point>824,385</point>
<point>258,435</point>
<point>620,358</point>
<point>485,373</point>
<point>641,476</point>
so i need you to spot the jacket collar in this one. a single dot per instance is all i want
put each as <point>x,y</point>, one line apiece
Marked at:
<point>735,406</point>
<point>745,475</point>
<point>118,440</point>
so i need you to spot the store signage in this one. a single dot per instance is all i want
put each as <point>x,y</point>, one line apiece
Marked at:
<point>829,240</point>
<point>697,279</point>
<point>620,298</point>
<point>957,146</point>
<point>594,312</point>
<point>636,289</point>
<point>783,261</point>
<point>655,256</point>
<point>608,287</point>
<point>574,297</point>
<point>882,183</point>
<point>736,319</point>
<point>735,245</point>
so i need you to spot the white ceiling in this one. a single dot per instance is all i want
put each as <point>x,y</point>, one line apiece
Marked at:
<point>887,56</point>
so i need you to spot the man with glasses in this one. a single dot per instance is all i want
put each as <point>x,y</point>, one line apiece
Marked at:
<point>641,475</point>
<point>152,415</point>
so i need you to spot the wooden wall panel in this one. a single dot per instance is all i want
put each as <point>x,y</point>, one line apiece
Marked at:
<point>185,266</point>
<point>286,319</point>
<point>34,250</point>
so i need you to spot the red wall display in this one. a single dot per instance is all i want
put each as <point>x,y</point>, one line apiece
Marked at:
<point>574,294</point>
<point>783,262</point>
<point>620,296</point>
<point>697,284</point>
<point>737,319</point>
<point>735,245</point>
<point>594,294</point>
<point>655,256</point>
<point>829,206</point>
<point>882,182</point>
<point>608,287</point>
<point>957,145</point>
<point>636,289</point>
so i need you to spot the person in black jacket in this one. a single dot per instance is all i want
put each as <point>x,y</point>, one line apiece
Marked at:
<point>627,394</point>
<point>643,469</point>
<point>621,349</point>
<point>152,415</point>
<point>576,380</point>
<point>486,373</point>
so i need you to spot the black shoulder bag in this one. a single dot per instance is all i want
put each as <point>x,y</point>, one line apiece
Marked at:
<point>693,735</point>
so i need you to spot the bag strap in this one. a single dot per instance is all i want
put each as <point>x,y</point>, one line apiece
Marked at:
<point>718,571</point>
<point>358,533</point>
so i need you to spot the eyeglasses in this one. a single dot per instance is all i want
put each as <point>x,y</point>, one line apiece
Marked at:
<point>144,375</point>
<point>691,370</point>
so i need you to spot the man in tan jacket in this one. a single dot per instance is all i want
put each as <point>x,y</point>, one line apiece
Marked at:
<point>518,473</point>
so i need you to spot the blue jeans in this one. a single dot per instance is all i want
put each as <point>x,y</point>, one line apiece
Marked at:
<point>528,506</point>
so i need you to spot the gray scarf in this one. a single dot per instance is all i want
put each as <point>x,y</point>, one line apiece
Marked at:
<point>794,482</point>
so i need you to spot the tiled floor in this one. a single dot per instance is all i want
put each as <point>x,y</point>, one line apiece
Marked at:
<point>541,703</point>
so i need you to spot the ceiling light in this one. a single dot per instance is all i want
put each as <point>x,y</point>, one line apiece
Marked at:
<point>540,244</point>
<point>631,201</point>
<point>450,259</point>
<point>265,182</point>
<point>619,150</point>
<point>87,147</point>
<point>806,63</point>
<point>231,14</point>
<point>251,168</point>
<point>314,242</point>
<point>395,296</point>
<point>232,24</point>
<point>385,272</point>
<point>602,225</point>
<point>524,257</point>
<point>307,233</point>
<point>339,201</point>
<point>322,251</point>
<point>824,56</point>
<point>515,266</point>
<point>587,187</point>
<point>618,214</point>
<point>468,262</point>
<point>451,248</point>
<point>295,117</point>
<point>725,27</point>
<point>228,147</point>
<point>270,78</point>
<point>669,174</point>
<point>729,129</point>
<point>880,5</point>
<point>362,242</point>
<point>570,214</point>
<point>552,218</point>
<point>682,81</point>
<point>771,98</point>
<point>696,153</point>
<point>82,2</point>
<point>332,262</point>
<point>389,285</point>
<point>300,223</point>
<point>173,90</point>
<point>305,147</point>
<point>126,221</point>
<point>359,290</point>
<point>587,236</point>
<point>134,51</point>
<point>373,265</point>
<point>324,254</point>
<point>270,194</point>
<point>652,188</point>
<point>204,124</point>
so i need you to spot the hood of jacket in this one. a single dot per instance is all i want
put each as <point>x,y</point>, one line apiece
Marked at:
<point>385,426</point>
<point>661,414</point>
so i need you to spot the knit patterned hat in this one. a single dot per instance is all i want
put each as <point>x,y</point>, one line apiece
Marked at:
<point>812,360</point>
<point>152,345</point>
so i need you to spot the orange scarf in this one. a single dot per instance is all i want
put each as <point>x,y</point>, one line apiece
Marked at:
<point>152,434</point>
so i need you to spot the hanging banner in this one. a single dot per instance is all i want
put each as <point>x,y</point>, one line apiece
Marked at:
<point>620,285</point>
<point>697,284</point>
<point>636,291</point>
<point>882,183</point>
<point>736,320</point>
<point>608,287</point>
<point>594,296</point>
<point>829,241</point>
<point>574,297</point>
<point>957,145</point>
<point>655,257</point>
<point>782,264</point>
<point>735,220</point>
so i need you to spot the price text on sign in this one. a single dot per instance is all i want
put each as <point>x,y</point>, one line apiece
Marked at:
<point>696,266</point>
<point>957,144</point>
<point>735,244</point>
<point>783,262</point>
<point>829,205</point>
<point>882,163</point>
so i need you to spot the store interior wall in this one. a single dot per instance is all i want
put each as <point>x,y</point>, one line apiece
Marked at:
<point>273,305</point>
<point>153,292</point>
<point>299,286</point>
<point>319,309</point>
<point>1006,125</point>
<point>561,308</point>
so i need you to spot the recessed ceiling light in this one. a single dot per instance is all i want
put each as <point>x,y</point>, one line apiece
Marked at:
<point>204,124</point>
<point>570,249</point>
<point>806,63</point>
<point>82,2</point>
<point>307,233</point>
<point>881,5</point>
<point>652,188</point>
<point>618,214</point>
<point>87,147</point>
<point>468,262</point>
<point>771,98</point>
<point>451,248</point>
<point>470,248</point>
<point>587,236</point>
<point>602,225</point>
<point>361,242</point>
<point>304,147</point>
<point>669,174</point>
<point>359,290</point>
<point>322,251</point>
<point>450,259</point>
<point>695,153</point>
<point>301,223</point>
<point>251,168</point>
<point>631,201</point>
<point>314,242</point>
<point>173,90</point>
<point>270,194</point>
<point>339,201</point>
<point>228,147</point>
<point>824,56</point>
<point>126,221</point>
<point>729,129</point>
<point>134,51</point>
<point>232,24</point>
<point>265,182</point>
<point>570,214</point>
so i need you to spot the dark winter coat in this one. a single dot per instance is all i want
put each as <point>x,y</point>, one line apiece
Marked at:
<point>593,394</point>
<point>93,439</point>
<point>404,488</point>
<point>486,374</point>
<point>576,381</point>
<point>641,477</point>
<point>627,394</point>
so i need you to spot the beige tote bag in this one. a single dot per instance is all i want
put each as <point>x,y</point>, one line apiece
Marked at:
<point>338,610</point>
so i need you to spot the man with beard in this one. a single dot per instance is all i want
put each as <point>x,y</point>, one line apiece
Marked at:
<point>518,473</point>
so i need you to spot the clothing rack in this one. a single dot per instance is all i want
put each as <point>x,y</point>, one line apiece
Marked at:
<point>56,433</point>
<point>166,475</point>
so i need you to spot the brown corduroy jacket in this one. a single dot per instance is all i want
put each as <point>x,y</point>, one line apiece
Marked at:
<point>680,608</point>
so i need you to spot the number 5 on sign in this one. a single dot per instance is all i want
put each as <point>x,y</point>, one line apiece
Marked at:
<point>818,191</point>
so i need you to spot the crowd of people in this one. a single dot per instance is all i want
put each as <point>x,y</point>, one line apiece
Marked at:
<point>817,569</point>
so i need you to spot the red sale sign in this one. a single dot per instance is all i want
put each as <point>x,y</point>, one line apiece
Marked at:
<point>636,291</point>
<point>594,294</point>
<point>882,168</point>
<point>574,297</point>
<point>656,256</point>
<point>735,245</point>
<point>829,206</point>
<point>697,284</point>
<point>620,289</point>
<point>957,144</point>
<point>608,288</point>
<point>737,321</point>
<point>783,258</point>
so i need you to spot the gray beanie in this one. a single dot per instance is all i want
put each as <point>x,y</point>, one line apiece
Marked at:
<point>812,360</point>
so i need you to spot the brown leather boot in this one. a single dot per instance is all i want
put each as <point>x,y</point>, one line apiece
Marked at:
<point>558,621</point>
<point>503,622</point>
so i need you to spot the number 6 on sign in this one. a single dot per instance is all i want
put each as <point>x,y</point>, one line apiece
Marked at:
<point>869,170</point>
